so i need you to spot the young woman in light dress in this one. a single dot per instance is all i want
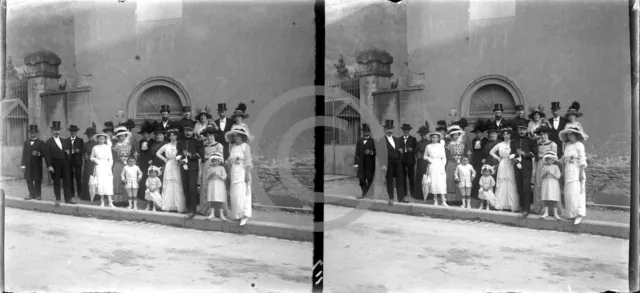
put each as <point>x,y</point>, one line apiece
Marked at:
<point>575,162</point>
<point>240,165</point>
<point>102,157</point>
<point>172,192</point>
<point>435,179</point>
<point>506,190</point>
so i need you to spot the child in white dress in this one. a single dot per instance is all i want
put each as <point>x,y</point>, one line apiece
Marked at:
<point>464,175</point>
<point>216,189</point>
<point>550,185</point>
<point>152,194</point>
<point>131,175</point>
<point>487,183</point>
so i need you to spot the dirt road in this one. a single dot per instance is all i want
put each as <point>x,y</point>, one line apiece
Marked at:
<point>49,252</point>
<point>382,252</point>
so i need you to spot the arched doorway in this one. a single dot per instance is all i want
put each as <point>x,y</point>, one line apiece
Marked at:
<point>145,100</point>
<point>479,98</point>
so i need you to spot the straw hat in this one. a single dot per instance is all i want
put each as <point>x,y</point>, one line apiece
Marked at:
<point>572,129</point>
<point>454,129</point>
<point>237,129</point>
<point>95,136</point>
<point>121,130</point>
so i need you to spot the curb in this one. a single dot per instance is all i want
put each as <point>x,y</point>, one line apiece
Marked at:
<point>11,179</point>
<point>260,207</point>
<point>608,207</point>
<point>616,230</point>
<point>274,230</point>
<point>345,178</point>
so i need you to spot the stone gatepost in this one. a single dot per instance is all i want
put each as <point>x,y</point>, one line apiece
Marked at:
<point>42,75</point>
<point>374,71</point>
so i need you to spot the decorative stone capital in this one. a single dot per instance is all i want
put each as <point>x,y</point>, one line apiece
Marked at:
<point>42,63</point>
<point>375,62</point>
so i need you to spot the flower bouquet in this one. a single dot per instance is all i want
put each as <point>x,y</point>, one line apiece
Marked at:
<point>183,162</point>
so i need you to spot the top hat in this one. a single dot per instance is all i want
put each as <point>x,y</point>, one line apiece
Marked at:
<point>164,108</point>
<point>497,107</point>
<point>365,127</point>
<point>555,106</point>
<point>406,126</point>
<point>423,130</point>
<point>33,128</point>
<point>73,128</point>
<point>147,127</point>
<point>222,107</point>
<point>574,109</point>
<point>388,124</point>
<point>519,108</point>
<point>539,110</point>
<point>90,131</point>
<point>55,125</point>
<point>186,109</point>
<point>240,111</point>
<point>205,111</point>
<point>108,126</point>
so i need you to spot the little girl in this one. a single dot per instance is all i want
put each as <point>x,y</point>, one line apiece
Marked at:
<point>550,184</point>
<point>152,194</point>
<point>216,189</point>
<point>130,176</point>
<point>464,175</point>
<point>487,183</point>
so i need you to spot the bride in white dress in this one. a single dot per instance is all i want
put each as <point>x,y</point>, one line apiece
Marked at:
<point>506,190</point>
<point>172,192</point>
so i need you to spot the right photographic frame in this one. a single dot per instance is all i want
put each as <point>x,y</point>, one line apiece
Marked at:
<point>481,145</point>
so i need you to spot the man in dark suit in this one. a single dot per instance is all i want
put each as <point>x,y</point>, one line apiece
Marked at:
<point>32,153</point>
<point>165,123</point>
<point>75,161</point>
<point>392,168</point>
<point>557,123</point>
<point>499,122</point>
<point>56,154</point>
<point>192,149</point>
<point>224,125</point>
<point>519,119</point>
<point>523,151</point>
<point>407,147</point>
<point>365,161</point>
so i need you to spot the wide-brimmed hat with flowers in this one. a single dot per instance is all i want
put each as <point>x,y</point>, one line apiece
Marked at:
<point>121,130</point>
<point>241,111</point>
<point>539,110</point>
<point>237,129</point>
<point>454,129</point>
<point>154,169</point>
<point>217,156</point>
<point>550,154</point>
<point>574,109</point>
<point>575,130</point>
<point>488,167</point>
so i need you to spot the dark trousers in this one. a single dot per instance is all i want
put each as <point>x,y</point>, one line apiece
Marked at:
<point>394,171</point>
<point>190,187</point>
<point>61,173</point>
<point>408,171</point>
<point>75,172</point>
<point>523,182</point>
<point>34,187</point>
<point>366,183</point>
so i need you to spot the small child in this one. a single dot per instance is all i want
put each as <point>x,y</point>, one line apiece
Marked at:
<point>216,189</point>
<point>550,184</point>
<point>152,194</point>
<point>464,175</point>
<point>130,176</point>
<point>487,183</point>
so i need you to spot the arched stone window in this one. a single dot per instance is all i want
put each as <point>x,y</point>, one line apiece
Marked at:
<point>479,98</point>
<point>145,100</point>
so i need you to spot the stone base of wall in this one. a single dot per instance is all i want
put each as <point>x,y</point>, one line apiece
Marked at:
<point>608,179</point>
<point>276,187</point>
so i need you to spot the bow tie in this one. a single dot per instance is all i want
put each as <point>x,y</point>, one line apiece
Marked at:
<point>406,137</point>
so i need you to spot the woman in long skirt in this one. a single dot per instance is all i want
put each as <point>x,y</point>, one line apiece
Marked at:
<point>575,163</point>
<point>172,191</point>
<point>123,149</point>
<point>435,181</point>
<point>211,146</point>
<point>455,149</point>
<point>101,156</point>
<point>87,170</point>
<point>240,166</point>
<point>421,164</point>
<point>544,146</point>
<point>506,190</point>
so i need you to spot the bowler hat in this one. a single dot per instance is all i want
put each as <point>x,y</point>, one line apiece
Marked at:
<point>164,108</point>
<point>497,107</point>
<point>388,124</point>
<point>33,128</point>
<point>73,128</point>
<point>555,106</point>
<point>55,125</point>
<point>222,107</point>
<point>406,126</point>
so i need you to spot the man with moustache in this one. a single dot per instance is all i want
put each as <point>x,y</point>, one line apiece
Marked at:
<point>523,151</point>
<point>365,161</point>
<point>75,160</point>
<point>407,146</point>
<point>392,168</point>
<point>499,122</point>
<point>191,149</point>
<point>185,121</point>
<point>56,155</point>
<point>557,123</point>
<point>224,126</point>
<point>32,153</point>
<point>165,123</point>
<point>519,119</point>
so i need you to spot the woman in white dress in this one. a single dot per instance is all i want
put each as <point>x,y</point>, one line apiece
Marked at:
<point>575,162</point>
<point>435,179</point>
<point>172,192</point>
<point>240,166</point>
<point>506,190</point>
<point>102,157</point>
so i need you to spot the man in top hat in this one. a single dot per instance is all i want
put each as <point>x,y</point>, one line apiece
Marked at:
<point>165,122</point>
<point>75,161</point>
<point>477,154</point>
<point>365,161</point>
<point>146,155</point>
<point>56,154</point>
<point>32,153</point>
<point>523,151</point>
<point>519,119</point>
<point>557,123</point>
<point>499,122</point>
<point>392,168</point>
<point>224,125</point>
<point>407,147</point>
<point>192,149</point>
<point>185,121</point>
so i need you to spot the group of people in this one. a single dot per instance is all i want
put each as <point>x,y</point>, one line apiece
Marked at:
<point>185,166</point>
<point>522,165</point>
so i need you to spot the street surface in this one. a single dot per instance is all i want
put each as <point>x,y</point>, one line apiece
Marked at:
<point>382,252</point>
<point>49,252</point>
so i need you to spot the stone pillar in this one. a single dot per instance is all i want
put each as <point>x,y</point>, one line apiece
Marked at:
<point>374,67</point>
<point>42,74</point>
